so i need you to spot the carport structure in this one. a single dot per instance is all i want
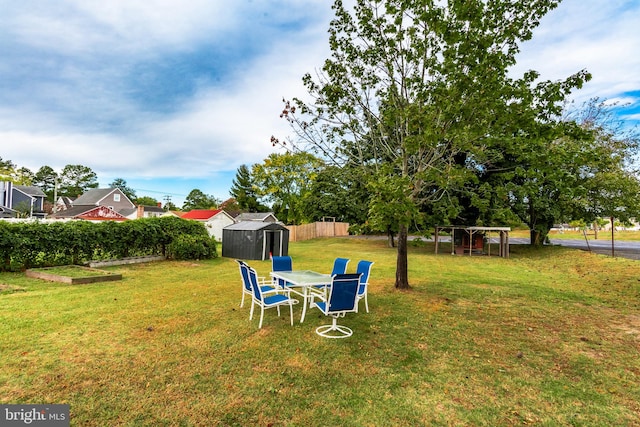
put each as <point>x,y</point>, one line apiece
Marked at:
<point>464,241</point>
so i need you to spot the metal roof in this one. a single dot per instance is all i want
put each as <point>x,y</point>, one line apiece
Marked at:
<point>252,225</point>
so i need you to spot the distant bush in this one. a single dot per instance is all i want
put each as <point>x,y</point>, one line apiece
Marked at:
<point>192,247</point>
<point>39,244</point>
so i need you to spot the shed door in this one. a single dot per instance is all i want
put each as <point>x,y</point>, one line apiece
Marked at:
<point>272,243</point>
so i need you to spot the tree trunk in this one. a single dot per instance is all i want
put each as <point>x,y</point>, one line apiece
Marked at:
<point>534,237</point>
<point>391,238</point>
<point>402,274</point>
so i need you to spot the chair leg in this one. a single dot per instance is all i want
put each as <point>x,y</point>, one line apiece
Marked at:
<point>366,301</point>
<point>261,316</point>
<point>334,330</point>
<point>291,312</point>
<point>251,312</point>
<point>242,302</point>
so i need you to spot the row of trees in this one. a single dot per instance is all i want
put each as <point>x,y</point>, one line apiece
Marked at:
<point>420,118</point>
<point>72,181</point>
<point>75,180</point>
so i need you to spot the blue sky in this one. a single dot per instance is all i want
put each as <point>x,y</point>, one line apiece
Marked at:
<point>172,95</point>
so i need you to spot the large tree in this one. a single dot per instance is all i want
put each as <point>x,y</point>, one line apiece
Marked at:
<point>121,184</point>
<point>243,190</point>
<point>338,193</point>
<point>566,171</point>
<point>284,180</point>
<point>196,199</point>
<point>611,179</point>
<point>7,169</point>
<point>145,201</point>
<point>47,179</point>
<point>424,85</point>
<point>76,180</point>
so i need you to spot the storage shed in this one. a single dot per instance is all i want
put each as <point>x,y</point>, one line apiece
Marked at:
<point>255,240</point>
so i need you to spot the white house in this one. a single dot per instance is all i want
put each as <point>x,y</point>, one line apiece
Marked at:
<point>214,220</point>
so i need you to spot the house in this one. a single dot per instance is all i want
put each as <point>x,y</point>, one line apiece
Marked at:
<point>97,204</point>
<point>257,216</point>
<point>63,203</point>
<point>214,220</point>
<point>142,211</point>
<point>173,213</point>
<point>149,211</point>
<point>89,213</point>
<point>15,198</point>
<point>113,198</point>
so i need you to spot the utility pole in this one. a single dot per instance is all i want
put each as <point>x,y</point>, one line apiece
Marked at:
<point>167,200</point>
<point>55,194</point>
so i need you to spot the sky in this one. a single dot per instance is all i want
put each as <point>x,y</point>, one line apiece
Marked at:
<point>175,95</point>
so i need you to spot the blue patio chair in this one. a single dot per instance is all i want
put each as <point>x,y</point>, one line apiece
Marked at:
<point>246,283</point>
<point>281,263</point>
<point>342,299</point>
<point>269,300</point>
<point>339,267</point>
<point>364,268</point>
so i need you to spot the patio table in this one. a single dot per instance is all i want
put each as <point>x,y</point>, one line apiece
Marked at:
<point>299,282</point>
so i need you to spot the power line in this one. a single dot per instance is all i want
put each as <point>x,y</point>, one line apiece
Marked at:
<point>159,192</point>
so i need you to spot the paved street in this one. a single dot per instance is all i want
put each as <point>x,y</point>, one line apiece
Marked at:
<point>621,248</point>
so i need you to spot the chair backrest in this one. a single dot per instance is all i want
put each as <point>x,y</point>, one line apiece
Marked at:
<point>253,280</point>
<point>339,266</point>
<point>244,274</point>
<point>343,293</point>
<point>281,263</point>
<point>364,268</point>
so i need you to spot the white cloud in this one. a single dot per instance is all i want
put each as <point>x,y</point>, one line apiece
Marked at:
<point>66,95</point>
<point>588,34</point>
<point>218,129</point>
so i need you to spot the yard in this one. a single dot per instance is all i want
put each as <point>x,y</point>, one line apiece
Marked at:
<point>547,337</point>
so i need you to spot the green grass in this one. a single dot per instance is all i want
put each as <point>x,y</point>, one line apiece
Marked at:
<point>72,271</point>
<point>548,337</point>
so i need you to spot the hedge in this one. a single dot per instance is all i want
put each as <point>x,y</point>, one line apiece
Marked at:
<point>44,244</point>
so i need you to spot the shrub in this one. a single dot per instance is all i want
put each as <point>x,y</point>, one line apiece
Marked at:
<point>187,246</point>
<point>37,244</point>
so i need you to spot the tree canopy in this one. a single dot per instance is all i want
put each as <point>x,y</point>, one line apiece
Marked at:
<point>424,91</point>
<point>244,191</point>
<point>76,180</point>
<point>121,184</point>
<point>285,180</point>
<point>196,199</point>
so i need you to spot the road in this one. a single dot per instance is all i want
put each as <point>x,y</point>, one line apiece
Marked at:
<point>622,248</point>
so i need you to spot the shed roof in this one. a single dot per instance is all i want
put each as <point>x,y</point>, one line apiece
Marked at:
<point>253,225</point>
<point>256,216</point>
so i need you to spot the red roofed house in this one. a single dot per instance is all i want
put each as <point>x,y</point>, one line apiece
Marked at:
<point>214,220</point>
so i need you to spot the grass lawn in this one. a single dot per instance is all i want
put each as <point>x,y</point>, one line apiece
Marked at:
<point>604,235</point>
<point>548,337</point>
